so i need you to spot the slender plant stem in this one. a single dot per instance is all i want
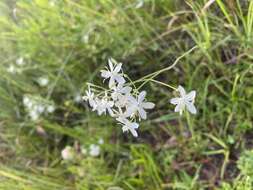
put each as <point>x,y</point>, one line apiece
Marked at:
<point>162,83</point>
<point>190,125</point>
<point>148,77</point>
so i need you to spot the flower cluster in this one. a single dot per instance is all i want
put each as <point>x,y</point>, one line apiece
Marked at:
<point>121,101</point>
<point>70,153</point>
<point>17,67</point>
<point>35,107</point>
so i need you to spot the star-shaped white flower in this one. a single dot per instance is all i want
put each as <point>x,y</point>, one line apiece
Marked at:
<point>89,97</point>
<point>128,126</point>
<point>119,90</point>
<point>123,101</point>
<point>103,105</point>
<point>94,150</point>
<point>184,101</point>
<point>68,153</point>
<point>113,73</point>
<point>138,105</point>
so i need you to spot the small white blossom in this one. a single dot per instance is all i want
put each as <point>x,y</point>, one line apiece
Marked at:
<point>139,4</point>
<point>101,141</point>
<point>103,105</point>
<point>84,151</point>
<point>119,90</point>
<point>129,126</point>
<point>78,98</point>
<point>138,106</point>
<point>89,97</point>
<point>184,101</point>
<point>34,115</point>
<point>39,108</point>
<point>94,150</point>
<point>43,81</point>
<point>27,102</point>
<point>85,38</point>
<point>68,153</point>
<point>112,73</point>
<point>20,61</point>
<point>50,109</point>
<point>13,70</point>
<point>35,107</point>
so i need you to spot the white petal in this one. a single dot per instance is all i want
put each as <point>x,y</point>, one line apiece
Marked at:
<point>141,96</point>
<point>110,104</point>
<point>132,100</point>
<point>142,113</point>
<point>126,90</point>
<point>110,112</point>
<point>92,103</point>
<point>181,91</point>
<point>111,82</point>
<point>118,67</point>
<point>124,128</point>
<point>130,111</point>
<point>114,95</point>
<point>191,108</point>
<point>191,96</point>
<point>179,108</point>
<point>111,64</point>
<point>175,101</point>
<point>148,105</point>
<point>134,125</point>
<point>134,132</point>
<point>119,119</point>
<point>105,74</point>
<point>120,79</point>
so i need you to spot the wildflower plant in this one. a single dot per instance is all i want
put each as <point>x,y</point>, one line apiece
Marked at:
<point>121,100</point>
<point>36,106</point>
<point>124,102</point>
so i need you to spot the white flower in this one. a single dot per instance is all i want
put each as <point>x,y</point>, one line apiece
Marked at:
<point>34,114</point>
<point>12,69</point>
<point>78,98</point>
<point>39,108</point>
<point>119,113</point>
<point>113,73</point>
<point>27,102</point>
<point>20,61</point>
<point>138,106</point>
<point>103,105</point>
<point>139,4</point>
<point>43,81</point>
<point>101,141</point>
<point>119,90</point>
<point>84,151</point>
<point>85,38</point>
<point>185,100</point>
<point>89,97</point>
<point>50,109</point>
<point>67,153</point>
<point>128,126</point>
<point>94,150</point>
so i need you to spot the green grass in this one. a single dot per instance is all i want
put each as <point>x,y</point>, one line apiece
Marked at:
<point>70,41</point>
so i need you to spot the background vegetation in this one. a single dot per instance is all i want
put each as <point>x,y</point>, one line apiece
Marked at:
<point>69,41</point>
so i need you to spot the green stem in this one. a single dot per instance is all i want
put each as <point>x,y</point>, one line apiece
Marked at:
<point>164,84</point>
<point>190,125</point>
<point>148,77</point>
